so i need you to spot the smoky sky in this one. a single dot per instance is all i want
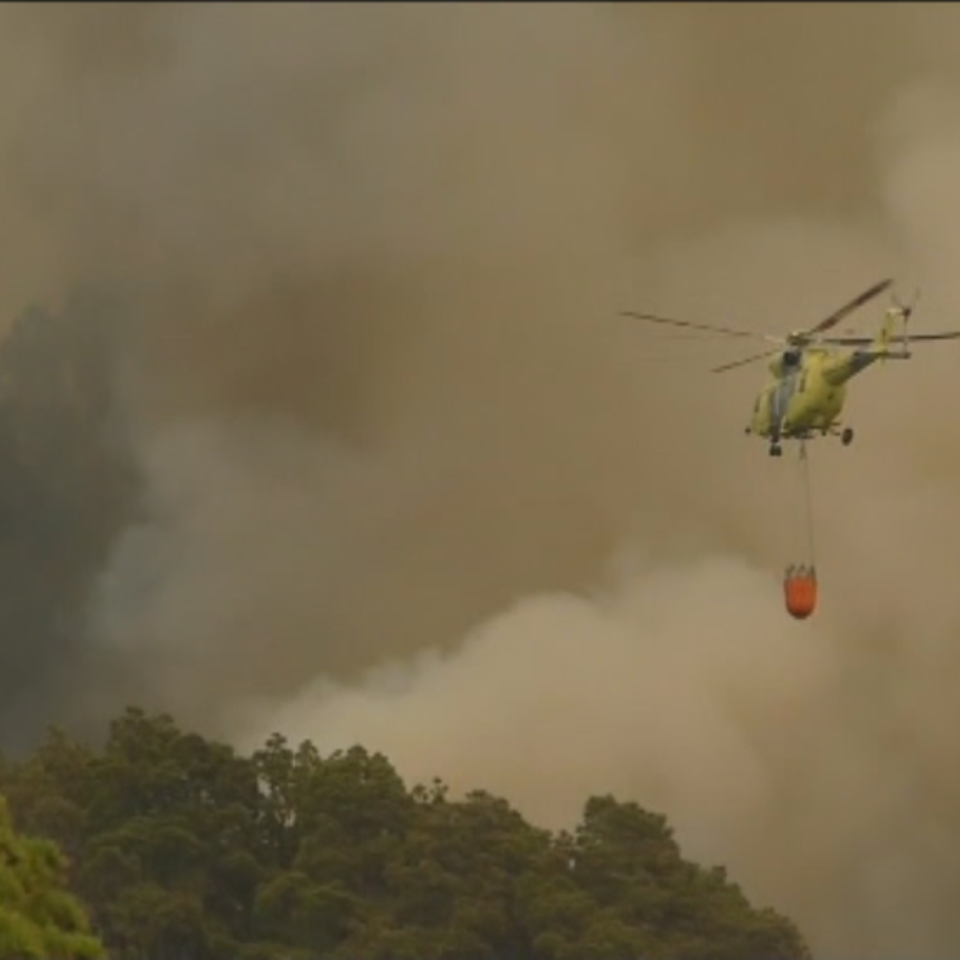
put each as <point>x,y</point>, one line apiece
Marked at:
<point>406,477</point>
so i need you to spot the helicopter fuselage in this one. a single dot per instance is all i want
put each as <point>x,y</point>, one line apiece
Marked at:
<point>809,379</point>
<point>807,393</point>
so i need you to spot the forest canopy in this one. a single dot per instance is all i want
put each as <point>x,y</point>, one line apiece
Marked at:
<point>39,917</point>
<point>178,846</point>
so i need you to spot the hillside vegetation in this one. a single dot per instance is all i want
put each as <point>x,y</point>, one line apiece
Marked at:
<point>179,847</point>
<point>39,918</point>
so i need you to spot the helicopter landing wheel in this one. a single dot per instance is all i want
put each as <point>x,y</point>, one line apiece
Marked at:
<point>775,450</point>
<point>846,438</point>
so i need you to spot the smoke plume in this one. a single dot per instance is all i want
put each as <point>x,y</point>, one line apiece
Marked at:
<point>410,481</point>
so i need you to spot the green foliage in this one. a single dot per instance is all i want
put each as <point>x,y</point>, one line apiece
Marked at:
<point>182,848</point>
<point>39,917</point>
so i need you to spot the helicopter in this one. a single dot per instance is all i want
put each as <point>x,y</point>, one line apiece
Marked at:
<point>810,372</point>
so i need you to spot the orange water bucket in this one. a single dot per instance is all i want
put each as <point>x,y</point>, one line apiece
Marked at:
<point>800,591</point>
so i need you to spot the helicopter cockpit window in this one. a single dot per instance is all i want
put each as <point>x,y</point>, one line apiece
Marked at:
<point>791,358</point>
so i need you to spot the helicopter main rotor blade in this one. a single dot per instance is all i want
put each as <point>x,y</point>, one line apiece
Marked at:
<point>899,338</point>
<point>945,335</point>
<point>745,360</point>
<point>701,326</point>
<point>848,308</point>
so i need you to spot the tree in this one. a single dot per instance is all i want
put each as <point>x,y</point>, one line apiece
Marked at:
<point>39,917</point>
<point>181,847</point>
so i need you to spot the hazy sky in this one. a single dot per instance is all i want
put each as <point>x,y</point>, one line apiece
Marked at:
<point>411,482</point>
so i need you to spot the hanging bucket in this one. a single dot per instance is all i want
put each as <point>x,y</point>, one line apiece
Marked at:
<point>800,591</point>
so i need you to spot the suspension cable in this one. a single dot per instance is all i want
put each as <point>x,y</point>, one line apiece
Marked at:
<point>808,494</point>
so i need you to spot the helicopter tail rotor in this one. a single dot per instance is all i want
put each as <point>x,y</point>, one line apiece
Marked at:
<point>906,308</point>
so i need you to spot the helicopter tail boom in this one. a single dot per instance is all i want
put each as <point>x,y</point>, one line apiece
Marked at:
<point>845,366</point>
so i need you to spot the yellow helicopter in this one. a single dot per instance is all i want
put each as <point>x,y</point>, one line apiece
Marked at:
<point>810,374</point>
